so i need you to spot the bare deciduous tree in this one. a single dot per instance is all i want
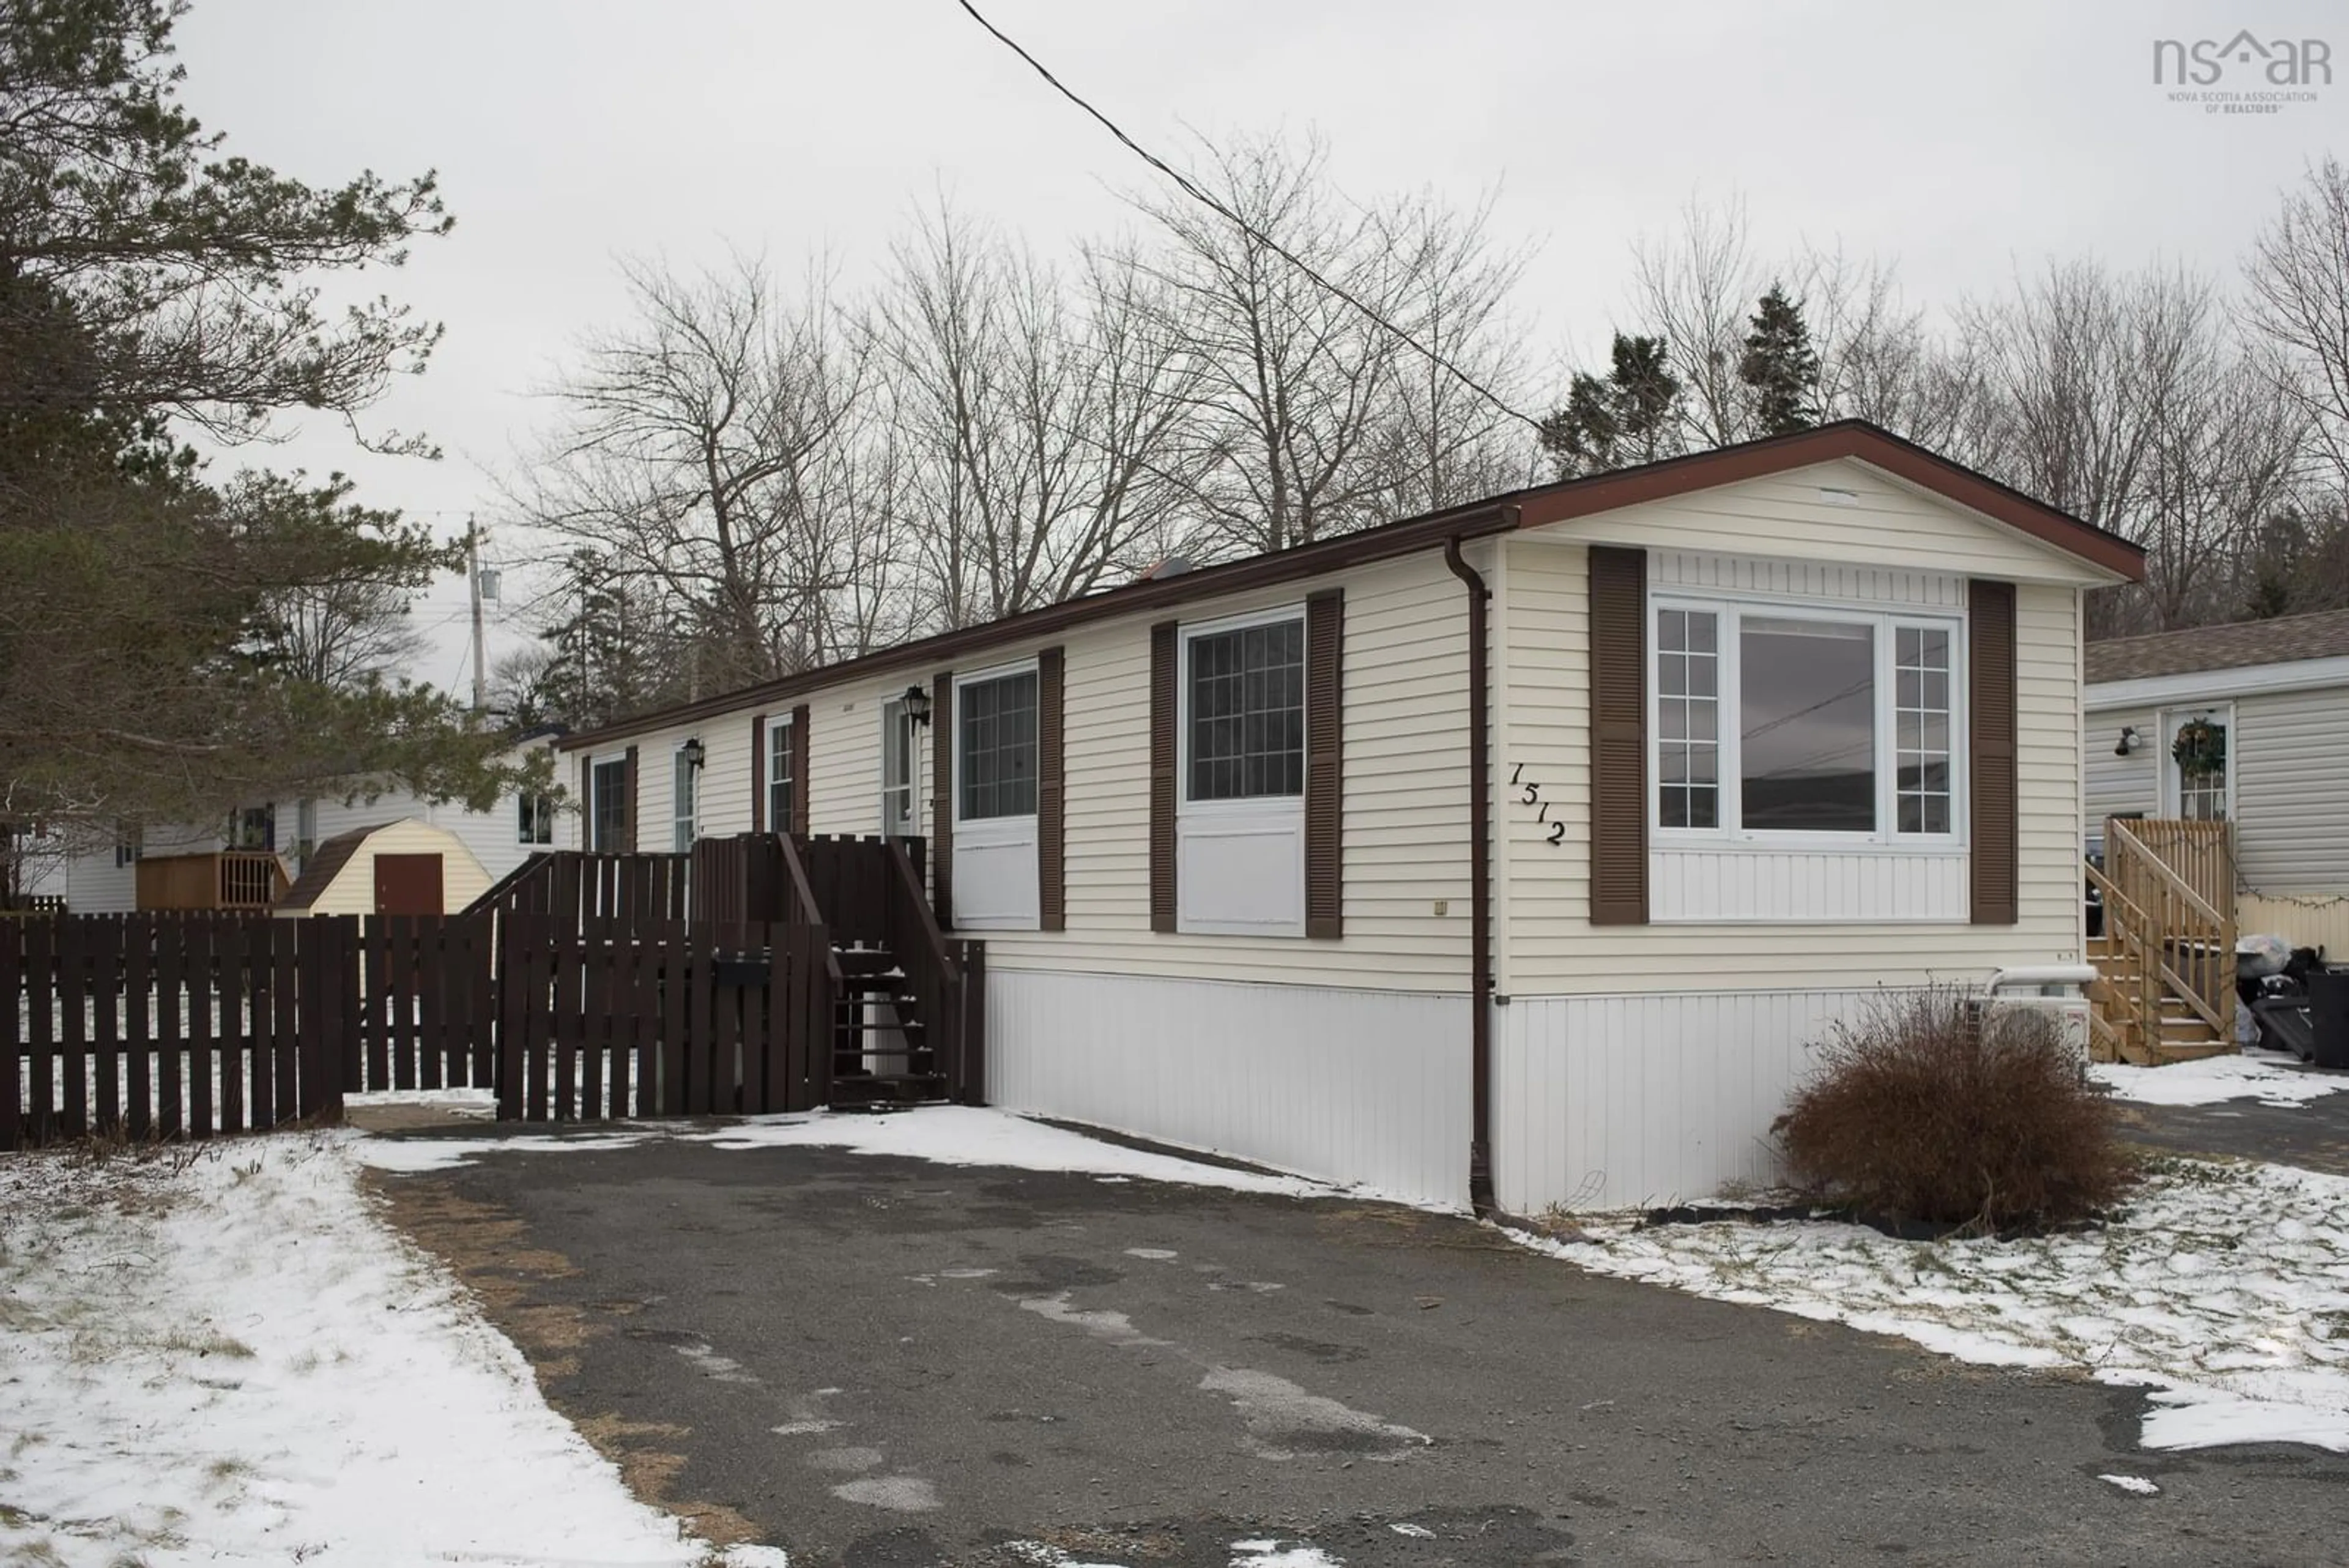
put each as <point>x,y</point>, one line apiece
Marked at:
<point>1695,289</point>
<point>701,451</point>
<point>1040,417</point>
<point>2298,273</point>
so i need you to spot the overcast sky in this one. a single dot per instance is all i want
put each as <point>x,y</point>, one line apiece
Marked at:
<point>1963,140</point>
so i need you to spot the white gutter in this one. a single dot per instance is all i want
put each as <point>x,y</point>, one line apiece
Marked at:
<point>2213,685</point>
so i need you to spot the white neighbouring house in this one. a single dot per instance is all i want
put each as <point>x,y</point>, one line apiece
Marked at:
<point>2276,692</point>
<point>483,845</point>
<point>1761,731</point>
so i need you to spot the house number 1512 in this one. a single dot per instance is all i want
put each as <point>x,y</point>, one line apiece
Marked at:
<point>1532,796</point>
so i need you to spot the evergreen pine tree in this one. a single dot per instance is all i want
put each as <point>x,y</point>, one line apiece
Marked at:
<point>1780,366</point>
<point>1631,415</point>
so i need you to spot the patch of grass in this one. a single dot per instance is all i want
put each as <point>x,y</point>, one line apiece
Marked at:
<point>1924,1110</point>
<point>204,1342</point>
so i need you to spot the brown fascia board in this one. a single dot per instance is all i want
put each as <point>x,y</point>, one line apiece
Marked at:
<point>1675,476</point>
<point>1381,544</point>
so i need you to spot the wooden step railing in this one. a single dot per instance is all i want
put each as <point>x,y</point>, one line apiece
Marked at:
<point>2136,993</point>
<point>2178,939</point>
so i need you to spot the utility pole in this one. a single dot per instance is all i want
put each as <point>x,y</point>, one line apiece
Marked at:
<point>474,592</point>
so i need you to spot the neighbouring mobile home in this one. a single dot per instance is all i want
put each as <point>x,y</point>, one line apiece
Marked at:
<point>1518,852</point>
<point>2246,724</point>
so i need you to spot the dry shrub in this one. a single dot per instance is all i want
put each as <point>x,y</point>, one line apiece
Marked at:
<point>1918,1112</point>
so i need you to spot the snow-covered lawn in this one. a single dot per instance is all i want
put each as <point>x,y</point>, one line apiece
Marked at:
<point>2222,1288</point>
<point>221,1355</point>
<point>2264,1076</point>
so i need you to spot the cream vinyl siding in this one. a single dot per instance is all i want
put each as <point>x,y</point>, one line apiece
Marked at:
<point>1406,801</point>
<point>1884,525</point>
<point>2116,785</point>
<point>1549,946</point>
<point>845,756</point>
<point>2292,791</point>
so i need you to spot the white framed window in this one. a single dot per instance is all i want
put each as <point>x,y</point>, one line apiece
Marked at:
<point>1241,807</point>
<point>686,771</point>
<point>1805,724</point>
<point>534,819</point>
<point>995,751</point>
<point>995,746</point>
<point>779,774</point>
<point>126,848</point>
<point>608,804</point>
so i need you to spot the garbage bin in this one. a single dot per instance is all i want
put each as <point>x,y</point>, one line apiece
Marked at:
<point>2328,1016</point>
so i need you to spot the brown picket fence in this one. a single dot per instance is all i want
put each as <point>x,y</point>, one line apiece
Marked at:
<point>188,1026</point>
<point>170,1025</point>
<point>666,1019</point>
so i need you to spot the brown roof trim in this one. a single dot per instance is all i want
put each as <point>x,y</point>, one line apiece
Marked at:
<point>1529,508</point>
<point>1847,438</point>
<point>326,863</point>
<point>1381,544</point>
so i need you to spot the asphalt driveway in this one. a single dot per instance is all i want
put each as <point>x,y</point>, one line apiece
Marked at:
<point>879,1361</point>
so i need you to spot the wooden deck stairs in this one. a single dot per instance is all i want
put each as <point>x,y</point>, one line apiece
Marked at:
<point>2165,989</point>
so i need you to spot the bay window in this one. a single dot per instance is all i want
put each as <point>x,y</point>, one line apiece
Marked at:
<point>1799,724</point>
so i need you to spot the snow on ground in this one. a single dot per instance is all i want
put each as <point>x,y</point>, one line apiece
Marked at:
<point>219,1355</point>
<point>2224,1289</point>
<point>946,1135</point>
<point>467,1103</point>
<point>2260,1075</point>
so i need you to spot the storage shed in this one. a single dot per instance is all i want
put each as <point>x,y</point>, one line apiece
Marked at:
<point>398,868</point>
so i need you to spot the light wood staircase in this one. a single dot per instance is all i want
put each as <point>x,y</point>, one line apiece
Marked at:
<point>2165,989</point>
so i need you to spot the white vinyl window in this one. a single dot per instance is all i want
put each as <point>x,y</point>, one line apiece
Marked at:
<point>779,775</point>
<point>533,818</point>
<point>994,741</point>
<point>684,801</point>
<point>1240,821</point>
<point>1796,723</point>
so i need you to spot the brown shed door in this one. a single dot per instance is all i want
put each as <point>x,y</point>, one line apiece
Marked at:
<point>408,885</point>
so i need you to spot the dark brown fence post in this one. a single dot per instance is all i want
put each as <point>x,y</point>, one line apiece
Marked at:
<point>285,1005</point>
<point>139,1022</point>
<point>972,1089</point>
<point>170,976</point>
<point>511,991</point>
<point>40,971</point>
<point>106,981</point>
<point>11,1046</point>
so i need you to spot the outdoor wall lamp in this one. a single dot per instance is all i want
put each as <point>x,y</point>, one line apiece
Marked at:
<point>2130,741</point>
<point>918,704</point>
<point>695,753</point>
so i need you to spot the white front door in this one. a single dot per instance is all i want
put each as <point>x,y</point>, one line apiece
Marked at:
<point>2197,780</point>
<point>896,770</point>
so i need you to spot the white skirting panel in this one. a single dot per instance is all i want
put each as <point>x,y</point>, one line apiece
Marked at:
<point>1610,1102</point>
<point>1352,1085</point>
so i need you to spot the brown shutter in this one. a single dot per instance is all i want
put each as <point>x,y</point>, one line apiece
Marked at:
<point>758,773</point>
<point>628,805</point>
<point>586,803</point>
<point>1996,859</point>
<point>1052,908</point>
<point>799,822</point>
<point>1325,784</point>
<point>1618,736</point>
<point>942,723</point>
<point>1164,658</point>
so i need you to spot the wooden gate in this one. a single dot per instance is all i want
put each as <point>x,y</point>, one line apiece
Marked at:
<point>664,1019</point>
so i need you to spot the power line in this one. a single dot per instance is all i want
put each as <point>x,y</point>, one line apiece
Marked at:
<point>1203,198</point>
